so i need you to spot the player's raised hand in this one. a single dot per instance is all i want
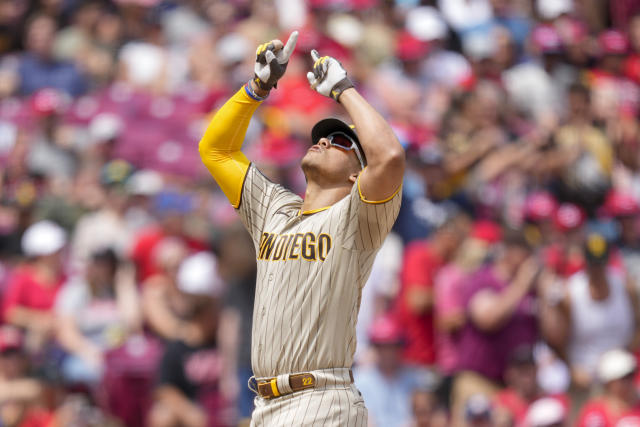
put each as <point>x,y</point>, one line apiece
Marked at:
<point>328,78</point>
<point>271,61</point>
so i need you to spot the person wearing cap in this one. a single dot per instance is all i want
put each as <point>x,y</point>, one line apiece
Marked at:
<point>563,256</point>
<point>619,404</point>
<point>171,209</point>
<point>50,155</point>
<point>104,227</point>
<point>106,287</point>
<point>539,210</point>
<point>31,290</point>
<point>537,87</point>
<point>610,76</point>
<point>387,385</point>
<point>188,382</point>
<point>595,312</point>
<point>315,253</point>
<point>547,412</point>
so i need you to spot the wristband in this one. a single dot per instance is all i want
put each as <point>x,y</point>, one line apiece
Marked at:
<point>249,91</point>
<point>340,87</point>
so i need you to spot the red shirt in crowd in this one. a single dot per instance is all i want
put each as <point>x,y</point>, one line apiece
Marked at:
<point>421,265</point>
<point>25,289</point>
<point>143,251</point>
<point>597,413</point>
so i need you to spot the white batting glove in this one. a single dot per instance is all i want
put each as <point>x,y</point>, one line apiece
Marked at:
<point>328,77</point>
<point>271,61</point>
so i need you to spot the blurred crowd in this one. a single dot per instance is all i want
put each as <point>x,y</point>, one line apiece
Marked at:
<point>506,295</point>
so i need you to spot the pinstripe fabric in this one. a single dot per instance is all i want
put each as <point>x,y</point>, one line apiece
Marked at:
<point>334,402</point>
<point>311,269</point>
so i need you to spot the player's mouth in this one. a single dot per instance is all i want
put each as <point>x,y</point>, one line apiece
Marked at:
<point>315,148</point>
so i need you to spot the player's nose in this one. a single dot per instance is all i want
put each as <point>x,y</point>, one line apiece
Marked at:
<point>324,142</point>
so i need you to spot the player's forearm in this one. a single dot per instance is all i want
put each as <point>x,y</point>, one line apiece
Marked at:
<point>227,129</point>
<point>378,140</point>
<point>385,155</point>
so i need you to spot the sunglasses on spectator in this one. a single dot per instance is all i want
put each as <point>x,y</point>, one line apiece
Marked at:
<point>343,141</point>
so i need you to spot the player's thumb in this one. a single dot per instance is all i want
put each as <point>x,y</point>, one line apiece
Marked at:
<point>311,78</point>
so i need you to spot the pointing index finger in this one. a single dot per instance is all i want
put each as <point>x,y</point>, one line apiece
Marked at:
<point>291,44</point>
<point>314,55</point>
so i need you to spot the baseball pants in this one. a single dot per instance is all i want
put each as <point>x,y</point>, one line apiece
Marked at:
<point>334,401</point>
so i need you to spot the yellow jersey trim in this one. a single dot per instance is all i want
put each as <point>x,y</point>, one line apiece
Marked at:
<point>376,202</point>
<point>312,211</point>
<point>236,205</point>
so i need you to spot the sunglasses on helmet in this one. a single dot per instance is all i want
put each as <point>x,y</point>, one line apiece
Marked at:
<point>345,142</point>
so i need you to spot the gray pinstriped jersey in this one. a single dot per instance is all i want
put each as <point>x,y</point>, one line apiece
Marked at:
<point>311,269</point>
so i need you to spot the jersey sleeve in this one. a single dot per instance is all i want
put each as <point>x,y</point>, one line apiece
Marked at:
<point>369,222</point>
<point>220,146</point>
<point>261,199</point>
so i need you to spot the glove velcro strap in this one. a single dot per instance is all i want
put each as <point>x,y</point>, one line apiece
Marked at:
<point>262,85</point>
<point>340,87</point>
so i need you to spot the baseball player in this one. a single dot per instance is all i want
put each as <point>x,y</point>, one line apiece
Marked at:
<point>313,254</point>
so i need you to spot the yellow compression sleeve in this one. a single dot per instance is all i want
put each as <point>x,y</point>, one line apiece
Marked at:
<point>220,146</point>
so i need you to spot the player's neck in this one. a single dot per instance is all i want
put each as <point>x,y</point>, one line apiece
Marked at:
<point>318,197</point>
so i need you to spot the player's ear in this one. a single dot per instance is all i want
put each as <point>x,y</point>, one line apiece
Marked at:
<point>353,177</point>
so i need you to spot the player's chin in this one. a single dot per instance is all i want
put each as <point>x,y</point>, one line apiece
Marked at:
<point>308,160</point>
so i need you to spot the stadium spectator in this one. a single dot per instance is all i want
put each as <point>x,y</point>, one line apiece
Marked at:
<point>106,226</point>
<point>500,317</point>
<point>448,291</point>
<point>619,404</point>
<point>582,155</point>
<point>33,287</point>
<point>596,312</point>
<point>160,294</point>
<point>38,69</point>
<point>171,207</point>
<point>95,313</point>
<point>188,392</point>
<point>516,402</point>
<point>20,394</point>
<point>238,269</point>
<point>51,154</point>
<point>422,261</point>
<point>389,405</point>
<point>426,410</point>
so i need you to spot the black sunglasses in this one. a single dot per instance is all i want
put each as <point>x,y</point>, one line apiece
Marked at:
<point>345,142</point>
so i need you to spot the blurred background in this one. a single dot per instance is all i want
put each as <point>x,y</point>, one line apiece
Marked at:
<point>505,296</point>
